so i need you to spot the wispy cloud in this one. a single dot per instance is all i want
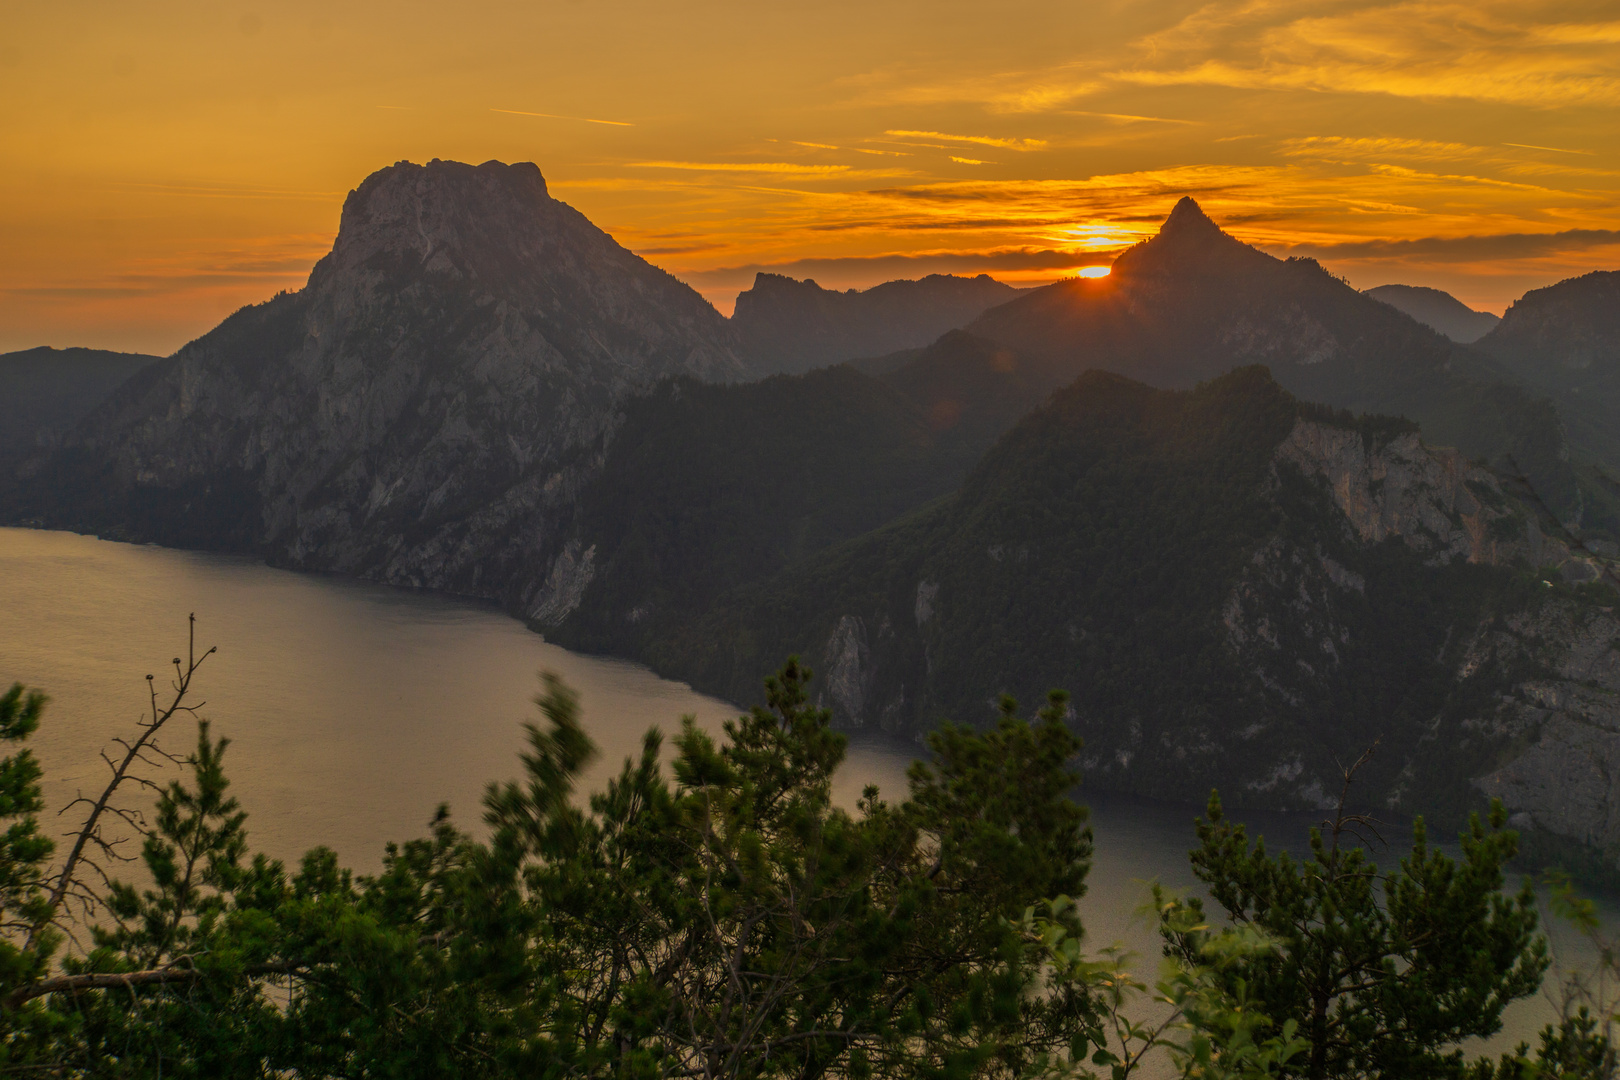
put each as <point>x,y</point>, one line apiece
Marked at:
<point>1466,249</point>
<point>790,167</point>
<point>556,116</point>
<point>969,161</point>
<point>1553,149</point>
<point>1361,149</point>
<point>1509,51</point>
<point>982,140</point>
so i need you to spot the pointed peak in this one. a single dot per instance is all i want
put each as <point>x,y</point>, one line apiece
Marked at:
<point>1188,215</point>
<point>1188,243</point>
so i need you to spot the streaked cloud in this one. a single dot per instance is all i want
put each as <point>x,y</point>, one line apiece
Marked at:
<point>556,116</point>
<point>982,140</point>
<point>797,168</point>
<point>1509,51</point>
<point>1471,146</point>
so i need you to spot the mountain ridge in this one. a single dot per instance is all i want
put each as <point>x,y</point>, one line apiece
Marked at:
<point>1438,310</point>
<point>788,326</point>
<point>1240,590</point>
<point>1193,302</point>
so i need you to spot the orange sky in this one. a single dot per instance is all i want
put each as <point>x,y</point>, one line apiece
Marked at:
<point>162,164</point>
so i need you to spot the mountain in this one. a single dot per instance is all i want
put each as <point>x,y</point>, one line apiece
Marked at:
<point>1439,311</point>
<point>792,326</point>
<point>707,488</point>
<point>1193,303</point>
<point>1564,341</point>
<point>46,391</point>
<point>420,413</point>
<point>1240,590</point>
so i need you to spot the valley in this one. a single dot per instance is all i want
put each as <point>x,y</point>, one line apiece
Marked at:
<point>1254,520</point>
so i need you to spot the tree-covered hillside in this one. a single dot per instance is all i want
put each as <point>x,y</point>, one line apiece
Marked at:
<point>706,488</point>
<point>1185,562</point>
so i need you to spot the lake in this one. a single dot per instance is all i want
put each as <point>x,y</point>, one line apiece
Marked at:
<point>354,710</point>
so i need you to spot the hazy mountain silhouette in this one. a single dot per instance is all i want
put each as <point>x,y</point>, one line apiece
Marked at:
<point>419,413</point>
<point>1438,311</point>
<point>792,326</point>
<point>46,391</point>
<point>1564,340</point>
<point>1193,302</point>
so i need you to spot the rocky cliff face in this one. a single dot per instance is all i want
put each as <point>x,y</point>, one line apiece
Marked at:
<point>792,326</point>
<point>423,412</point>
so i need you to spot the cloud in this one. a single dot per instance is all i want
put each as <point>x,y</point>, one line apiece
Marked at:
<point>1505,51</point>
<point>1360,149</point>
<point>982,140</point>
<point>555,116</point>
<point>1523,52</point>
<point>745,166</point>
<point>969,161</point>
<point>1466,249</point>
<point>1553,149</point>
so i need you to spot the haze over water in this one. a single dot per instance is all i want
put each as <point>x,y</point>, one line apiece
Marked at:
<point>354,710</point>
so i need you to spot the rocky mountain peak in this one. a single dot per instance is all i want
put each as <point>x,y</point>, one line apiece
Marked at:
<point>1190,243</point>
<point>440,205</point>
<point>1187,214</point>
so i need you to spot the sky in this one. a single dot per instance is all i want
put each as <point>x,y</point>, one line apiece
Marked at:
<point>166,162</point>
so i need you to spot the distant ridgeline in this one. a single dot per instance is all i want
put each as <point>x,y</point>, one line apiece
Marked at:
<point>480,392</point>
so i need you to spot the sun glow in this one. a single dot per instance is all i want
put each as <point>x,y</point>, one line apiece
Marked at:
<point>1095,271</point>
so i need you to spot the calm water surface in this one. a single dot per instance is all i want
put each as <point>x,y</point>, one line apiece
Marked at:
<point>354,710</point>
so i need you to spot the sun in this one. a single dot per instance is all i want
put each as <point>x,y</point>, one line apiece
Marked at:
<point>1095,271</point>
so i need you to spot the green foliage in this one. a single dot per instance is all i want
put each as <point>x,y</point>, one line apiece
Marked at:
<point>24,857</point>
<point>1382,972</point>
<point>1209,1030</point>
<point>714,914</point>
<point>736,923</point>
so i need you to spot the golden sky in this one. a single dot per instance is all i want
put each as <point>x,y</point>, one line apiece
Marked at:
<point>165,162</point>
